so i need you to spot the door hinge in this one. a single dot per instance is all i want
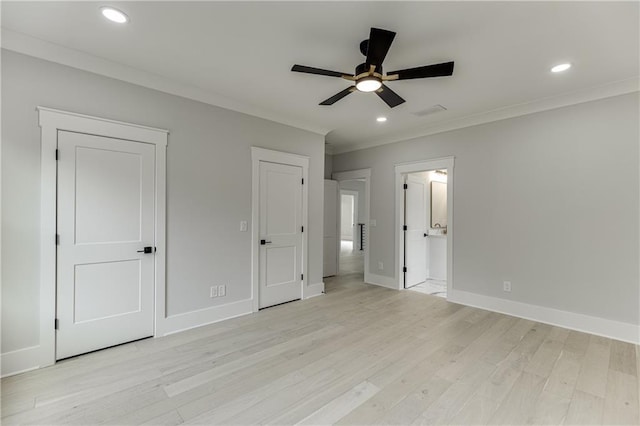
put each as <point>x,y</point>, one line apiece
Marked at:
<point>303,181</point>
<point>404,227</point>
<point>57,155</point>
<point>302,276</point>
<point>56,324</point>
<point>57,239</point>
<point>404,269</point>
<point>302,229</point>
<point>405,186</point>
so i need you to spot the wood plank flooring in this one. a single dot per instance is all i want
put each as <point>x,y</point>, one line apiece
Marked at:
<point>361,354</point>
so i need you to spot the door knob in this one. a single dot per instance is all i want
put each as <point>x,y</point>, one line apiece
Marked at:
<point>263,242</point>
<point>147,249</point>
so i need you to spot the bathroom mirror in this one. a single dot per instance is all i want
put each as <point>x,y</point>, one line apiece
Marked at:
<point>438,204</point>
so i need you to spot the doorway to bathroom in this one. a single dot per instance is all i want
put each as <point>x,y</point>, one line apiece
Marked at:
<point>424,238</point>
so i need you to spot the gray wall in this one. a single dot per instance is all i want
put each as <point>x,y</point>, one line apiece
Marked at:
<point>208,185</point>
<point>548,201</point>
<point>328,166</point>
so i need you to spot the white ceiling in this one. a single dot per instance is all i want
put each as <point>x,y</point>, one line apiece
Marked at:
<point>243,52</point>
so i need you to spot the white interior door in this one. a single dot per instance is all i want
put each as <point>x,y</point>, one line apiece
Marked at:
<point>280,229</point>
<point>415,249</point>
<point>105,215</point>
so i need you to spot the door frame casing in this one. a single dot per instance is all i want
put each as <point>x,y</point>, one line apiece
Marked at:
<point>271,156</point>
<point>51,121</point>
<point>422,166</point>
<point>358,175</point>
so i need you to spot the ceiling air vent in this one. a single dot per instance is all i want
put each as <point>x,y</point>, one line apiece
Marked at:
<point>428,111</point>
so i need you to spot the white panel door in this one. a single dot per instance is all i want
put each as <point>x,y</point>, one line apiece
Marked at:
<point>330,266</point>
<point>280,230</point>
<point>415,248</point>
<point>106,216</point>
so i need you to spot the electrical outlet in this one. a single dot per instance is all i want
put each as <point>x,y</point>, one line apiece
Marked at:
<point>222,290</point>
<point>243,226</point>
<point>506,286</point>
<point>213,291</point>
<point>380,265</point>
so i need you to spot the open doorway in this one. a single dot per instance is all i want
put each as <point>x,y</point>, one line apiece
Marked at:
<point>425,216</point>
<point>352,227</point>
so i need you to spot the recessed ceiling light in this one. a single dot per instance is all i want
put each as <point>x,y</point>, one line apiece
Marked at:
<point>381,119</point>
<point>114,15</point>
<point>561,67</point>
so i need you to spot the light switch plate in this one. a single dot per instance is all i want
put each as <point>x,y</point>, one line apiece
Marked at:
<point>243,226</point>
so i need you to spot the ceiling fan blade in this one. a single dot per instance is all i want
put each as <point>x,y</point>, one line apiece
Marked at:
<point>390,97</point>
<point>379,44</point>
<point>335,98</point>
<point>318,71</point>
<point>438,70</point>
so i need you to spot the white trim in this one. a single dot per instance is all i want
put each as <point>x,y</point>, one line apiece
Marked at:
<point>588,324</point>
<point>421,166</point>
<point>314,290</point>
<point>20,361</point>
<point>81,123</point>
<point>269,155</point>
<point>27,45</point>
<point>366,175</point>
<point>382,281</point>
<point>51,121</point>
<point>210,315</point>
<point>616,88</point>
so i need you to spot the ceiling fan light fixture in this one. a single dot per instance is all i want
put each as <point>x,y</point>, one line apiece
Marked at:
<point>368,84</point>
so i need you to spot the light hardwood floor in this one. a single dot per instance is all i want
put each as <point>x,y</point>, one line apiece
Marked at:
<point>358,355</point>
<point>351,261</point>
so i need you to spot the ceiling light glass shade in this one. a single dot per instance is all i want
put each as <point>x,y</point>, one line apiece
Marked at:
<point>561,67</point>
<point>381,119</point>
<point>114,15</point>
<point>368,84</point>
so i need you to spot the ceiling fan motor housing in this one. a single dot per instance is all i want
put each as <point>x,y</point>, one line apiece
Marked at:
<point>364,46</point>
<point>364,67</point>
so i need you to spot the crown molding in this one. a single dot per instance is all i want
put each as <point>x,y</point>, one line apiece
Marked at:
<point>27,45</point>
<point>608,90</point>
<point>31,46</point>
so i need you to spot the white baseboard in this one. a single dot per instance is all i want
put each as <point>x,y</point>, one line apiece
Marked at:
<point>188,320</point>
<point>20,361</point>
<point>381,280</point>
<point>314,290</point>
<point>618,330</point>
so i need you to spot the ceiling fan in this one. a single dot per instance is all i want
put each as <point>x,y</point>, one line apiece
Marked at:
<point>369,77</point>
